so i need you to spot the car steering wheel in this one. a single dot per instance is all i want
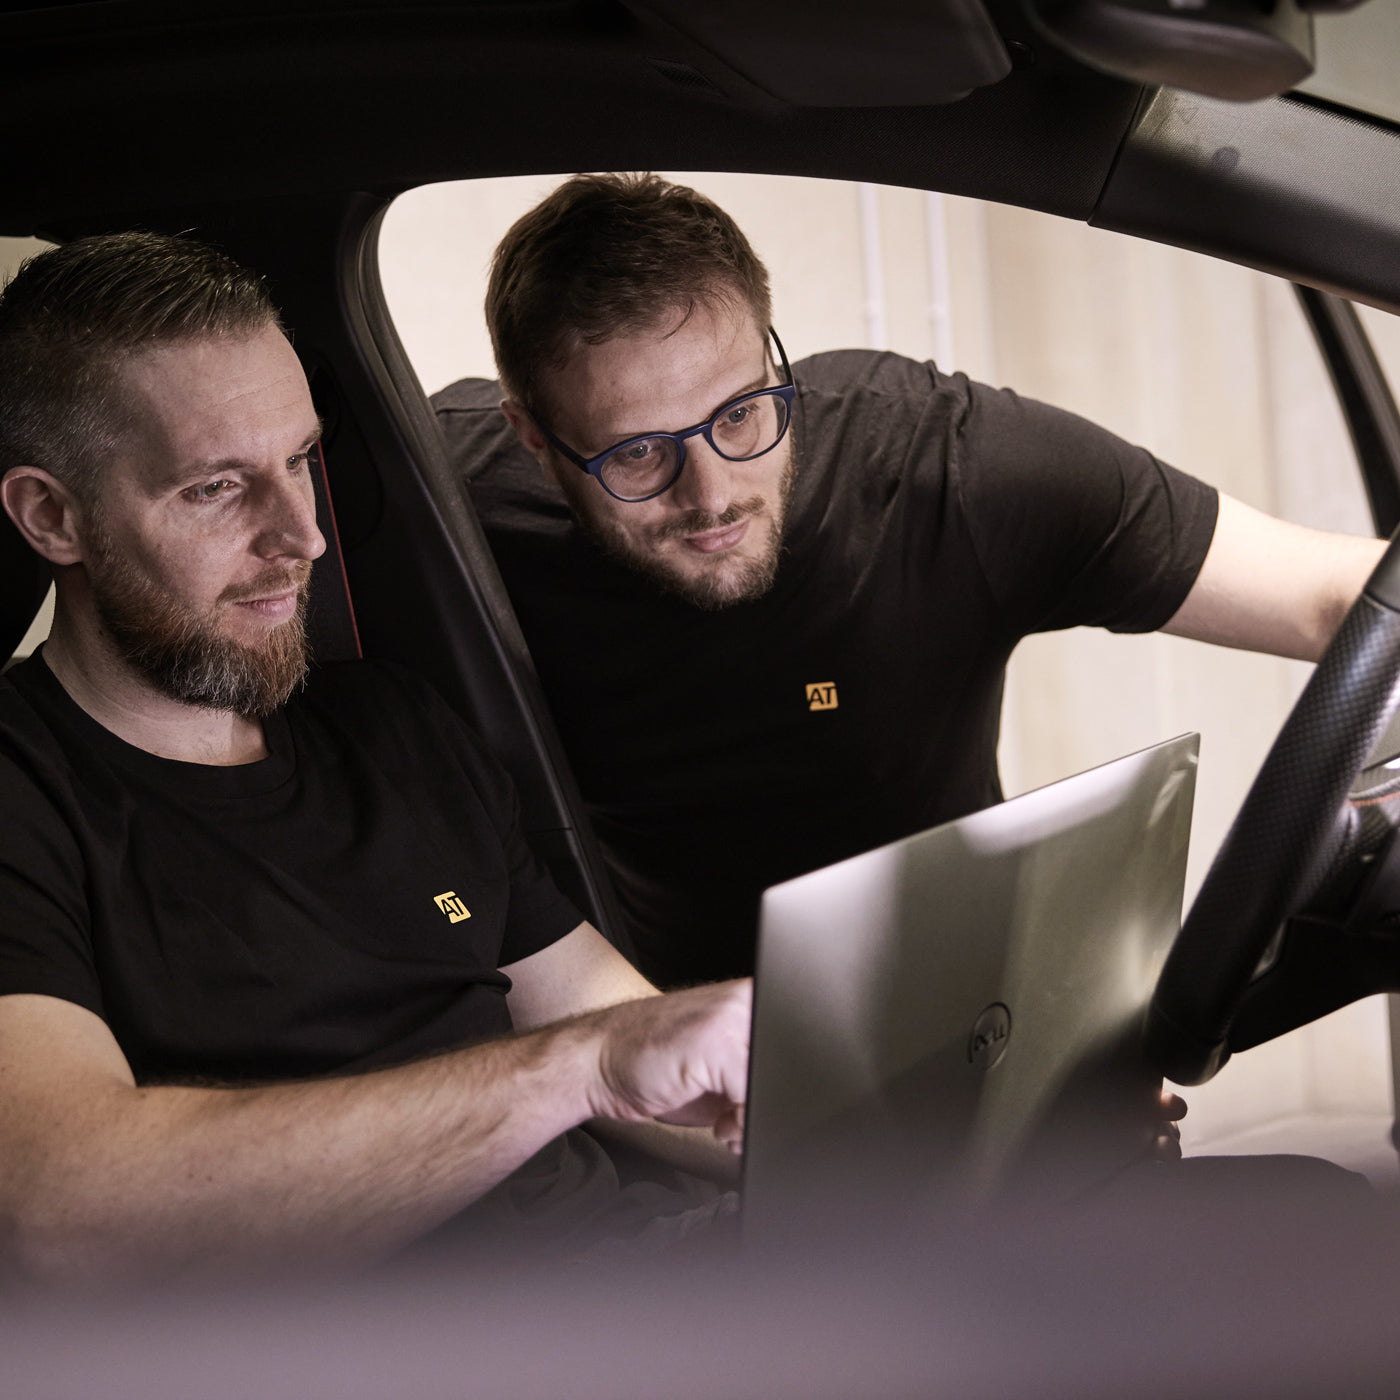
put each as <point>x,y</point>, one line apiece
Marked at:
<point>1289,834</point>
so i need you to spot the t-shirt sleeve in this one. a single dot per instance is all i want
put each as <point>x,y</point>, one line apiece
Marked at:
<point>1071,525</point>
<point>539,915</point>
<point>45,941</point>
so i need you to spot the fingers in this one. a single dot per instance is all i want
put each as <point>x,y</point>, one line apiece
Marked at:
<point>1166,1142</point>
<point>703,1112</point>
<point>1166,1146</point>
<point>729,1128</point>
<point>724,1119</point>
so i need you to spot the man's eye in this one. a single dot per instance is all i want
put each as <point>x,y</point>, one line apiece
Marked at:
<point>298,461</point>
<point>738,414</point>
<point>208,490</point>
<point>638,452</point>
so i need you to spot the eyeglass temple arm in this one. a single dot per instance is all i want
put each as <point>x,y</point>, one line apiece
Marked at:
<point>782,355</point>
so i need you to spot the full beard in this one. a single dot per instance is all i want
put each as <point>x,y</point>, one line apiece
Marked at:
<point>182,654</point>
<point>726,581</point>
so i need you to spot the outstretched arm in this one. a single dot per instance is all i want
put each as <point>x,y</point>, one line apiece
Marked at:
<point>101,1178</point>
<point>1268,585</point>
<point>583,971</point>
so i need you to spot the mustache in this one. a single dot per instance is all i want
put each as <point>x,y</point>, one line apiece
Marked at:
<point>269,584</point>
<point>694,521</point>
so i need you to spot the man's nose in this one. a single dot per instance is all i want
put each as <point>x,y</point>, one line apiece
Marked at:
<point>289,526</point>
<point>707,480</point>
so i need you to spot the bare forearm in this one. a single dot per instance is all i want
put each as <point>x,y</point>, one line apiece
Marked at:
<point>102,1179</point>
<point>1267,585</point>
<point>155,1180</point>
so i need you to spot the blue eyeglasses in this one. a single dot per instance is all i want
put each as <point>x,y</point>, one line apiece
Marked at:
<point>646,466</point>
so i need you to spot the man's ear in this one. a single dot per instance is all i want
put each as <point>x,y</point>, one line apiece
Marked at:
<point>45,512</point>
<point>528,431</point>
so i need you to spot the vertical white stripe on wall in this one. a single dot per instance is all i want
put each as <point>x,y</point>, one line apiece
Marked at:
<point>877,335</point>
<point>940,282</point>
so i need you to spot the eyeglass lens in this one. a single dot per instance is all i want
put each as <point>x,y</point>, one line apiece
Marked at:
<point>646,466</point>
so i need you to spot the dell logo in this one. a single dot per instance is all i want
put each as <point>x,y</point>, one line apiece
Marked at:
<point>990,1033</point>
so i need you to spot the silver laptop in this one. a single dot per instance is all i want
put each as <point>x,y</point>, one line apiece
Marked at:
<point>956,1017</point>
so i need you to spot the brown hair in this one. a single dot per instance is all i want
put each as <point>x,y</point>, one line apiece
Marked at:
<point>606,254</point>
<point>73,314</point>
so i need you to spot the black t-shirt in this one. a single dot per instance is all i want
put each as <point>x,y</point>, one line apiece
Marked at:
<point>341,904</point>
<point>935,523</point>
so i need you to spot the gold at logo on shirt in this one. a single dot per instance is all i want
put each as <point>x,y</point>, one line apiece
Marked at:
<point>821,695</point>
<point>453,907</point>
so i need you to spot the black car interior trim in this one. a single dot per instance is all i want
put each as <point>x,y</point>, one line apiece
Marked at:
<point>1290,187</point>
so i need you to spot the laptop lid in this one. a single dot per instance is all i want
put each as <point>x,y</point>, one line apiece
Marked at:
<point>958,1015</point>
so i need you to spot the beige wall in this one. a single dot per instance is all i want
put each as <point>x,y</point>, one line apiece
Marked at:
<point>1208,365</point>
<point>13,251</point>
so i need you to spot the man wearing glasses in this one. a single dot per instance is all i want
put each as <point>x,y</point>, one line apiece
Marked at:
<point>710,557</point>
<point>773,617</point>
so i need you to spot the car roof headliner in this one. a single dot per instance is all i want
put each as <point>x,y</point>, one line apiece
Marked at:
<point>137,111</point>
<point>138,103</point>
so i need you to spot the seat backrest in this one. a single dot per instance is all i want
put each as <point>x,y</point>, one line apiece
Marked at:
<point>330,618</point>
<point>24,580</point>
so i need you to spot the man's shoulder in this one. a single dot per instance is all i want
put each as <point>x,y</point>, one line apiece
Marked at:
<point>477,434</point>
<point>22,677</point>
<point>877,371</point>
<point>511,496</point>
<point>44,754</point>
<point>840,391</point>
<point>888,414</point>
<point>29,696</point>
<point>468,396</point>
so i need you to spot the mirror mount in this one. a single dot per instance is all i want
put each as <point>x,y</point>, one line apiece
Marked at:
<point>1239,50</point>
